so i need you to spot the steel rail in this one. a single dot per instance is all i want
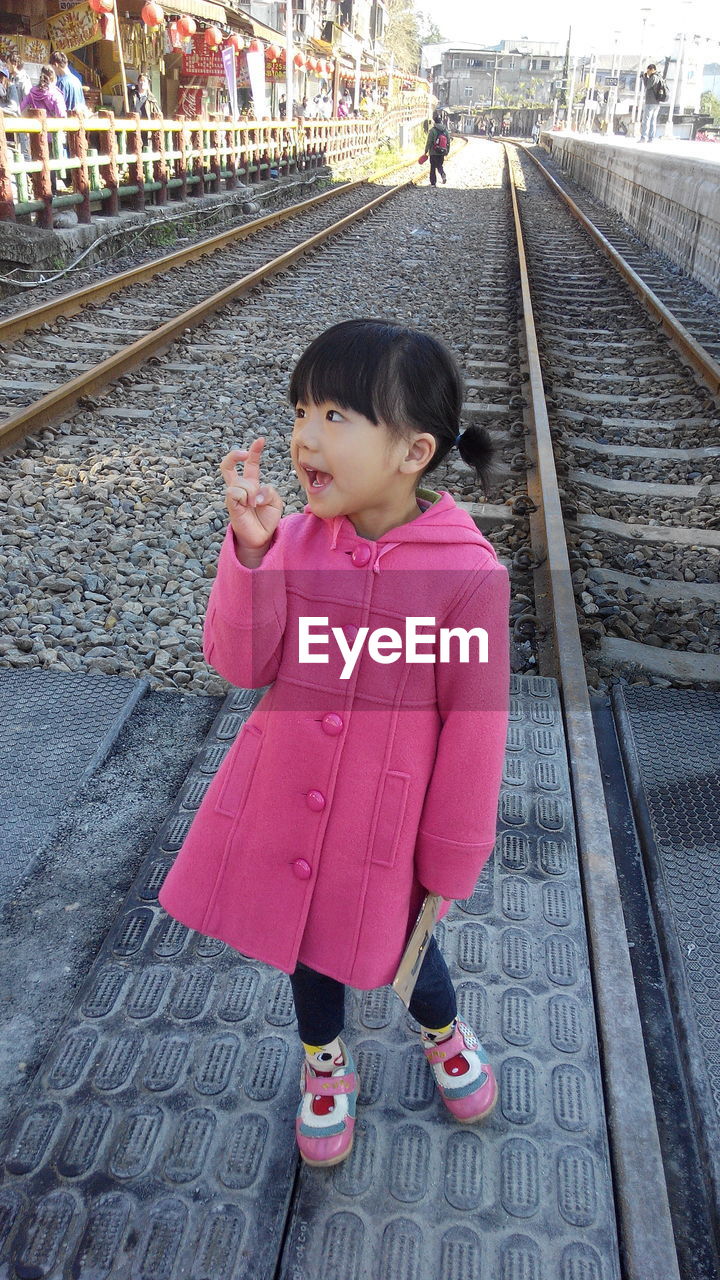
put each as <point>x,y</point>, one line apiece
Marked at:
<point>56,403</point>
<point>70,303</point>
<point>687,347</point>
<point>641,1199</point>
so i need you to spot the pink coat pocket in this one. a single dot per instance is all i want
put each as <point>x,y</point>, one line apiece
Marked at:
<point>241,767</point>
<point>389,818</point>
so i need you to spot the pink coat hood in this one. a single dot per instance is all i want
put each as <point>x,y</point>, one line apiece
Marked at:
<point>349,792</point>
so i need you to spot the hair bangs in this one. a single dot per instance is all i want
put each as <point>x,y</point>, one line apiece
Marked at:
<point>348,366</point>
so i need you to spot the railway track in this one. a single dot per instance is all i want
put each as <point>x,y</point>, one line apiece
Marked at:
<point>119,335</point>
<point>692,306</point>
<point>635,431</point>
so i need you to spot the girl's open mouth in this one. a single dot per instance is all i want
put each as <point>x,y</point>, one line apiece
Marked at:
<point>318,479</point>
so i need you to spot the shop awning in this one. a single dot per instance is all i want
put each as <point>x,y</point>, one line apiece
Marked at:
<point>205,9</point>
<point>258,28</point>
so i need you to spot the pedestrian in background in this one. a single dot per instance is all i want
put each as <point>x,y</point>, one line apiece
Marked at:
<point>143,101</point>
<point>9,96</point>
<point>437,146</point>
<point>18,74</point>
<point>655,95</point>
<point>45,96</point>
<point>341,804</point>
<point>69,84</point>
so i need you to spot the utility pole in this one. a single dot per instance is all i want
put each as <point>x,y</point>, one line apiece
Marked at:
<point>289,105</point>
<point>612,88</point>
<point>494,81</point>
<point>637,97</point>
<point>565,71</point>
<point>571,96</point>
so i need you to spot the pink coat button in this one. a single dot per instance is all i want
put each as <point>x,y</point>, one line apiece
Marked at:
<point>332,724</point>
<point>302,869</point>
<point>360,555</point>
<point>315,801</point>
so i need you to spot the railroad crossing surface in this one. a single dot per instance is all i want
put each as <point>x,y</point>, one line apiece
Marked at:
<point>156,1139</point>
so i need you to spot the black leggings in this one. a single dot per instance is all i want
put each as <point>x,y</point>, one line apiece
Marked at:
<point>436,167</point>
<point>320,1001</point>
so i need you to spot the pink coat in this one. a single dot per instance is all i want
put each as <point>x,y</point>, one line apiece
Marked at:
<point>342,800</point>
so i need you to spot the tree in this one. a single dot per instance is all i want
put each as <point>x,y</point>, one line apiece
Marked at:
<point>429,31</point>
<point>710,106</point>
<point>402,36</point>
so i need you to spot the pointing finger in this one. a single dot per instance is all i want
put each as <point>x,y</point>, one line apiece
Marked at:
<point>251,468</point>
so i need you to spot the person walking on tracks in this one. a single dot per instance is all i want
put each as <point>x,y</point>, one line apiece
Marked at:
<point>655,95</point>
<point>370,772</point>
<point>437,146</point>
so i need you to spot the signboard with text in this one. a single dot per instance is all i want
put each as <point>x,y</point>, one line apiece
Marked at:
<point>74,28</point>
<point>201,61</point>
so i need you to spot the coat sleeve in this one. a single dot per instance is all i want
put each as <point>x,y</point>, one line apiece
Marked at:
<point>458,823</point>
<point>246,615</point>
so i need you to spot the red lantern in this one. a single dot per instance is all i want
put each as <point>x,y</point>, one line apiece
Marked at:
<point>102,6</point>
<point>213,37</point>
<point>272,53</point>
<point>309,64</point>
<point>186,26</point>
<point>152,14</point>
<point>236,42</point>
<point>299,61</point>
<point>283,55</point>
<point>254,46</point>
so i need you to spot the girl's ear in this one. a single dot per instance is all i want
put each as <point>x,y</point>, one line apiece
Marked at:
<point>418,453</point>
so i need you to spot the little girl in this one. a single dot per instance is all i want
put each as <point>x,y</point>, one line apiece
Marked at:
<point>369,773</point>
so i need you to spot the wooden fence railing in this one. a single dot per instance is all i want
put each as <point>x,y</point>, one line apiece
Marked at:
<point>103,161</point>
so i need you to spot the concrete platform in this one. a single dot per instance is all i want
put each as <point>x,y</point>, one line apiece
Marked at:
<point>668,191</point>
<point>156,1140</point>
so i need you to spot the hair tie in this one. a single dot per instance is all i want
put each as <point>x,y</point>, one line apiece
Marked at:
<point>457,438</point>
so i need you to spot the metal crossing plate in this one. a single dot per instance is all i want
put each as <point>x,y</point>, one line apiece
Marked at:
<point>157,1142</point>
<point>527,1193</point>
<point>670,743</point>
<point>54,730</point>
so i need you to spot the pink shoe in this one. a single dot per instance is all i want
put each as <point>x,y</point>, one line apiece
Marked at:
<point>325,1123</point>
<point>466,1081</point>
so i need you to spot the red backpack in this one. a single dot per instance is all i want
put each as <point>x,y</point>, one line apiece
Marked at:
<point>441,143</point>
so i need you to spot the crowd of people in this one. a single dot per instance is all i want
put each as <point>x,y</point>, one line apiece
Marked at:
<point>320,106</point>
<point>59,90</point>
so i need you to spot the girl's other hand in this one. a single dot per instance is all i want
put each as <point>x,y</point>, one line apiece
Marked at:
<point>254,508</point>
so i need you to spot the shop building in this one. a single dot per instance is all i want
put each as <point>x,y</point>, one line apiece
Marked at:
<point>339,52</point>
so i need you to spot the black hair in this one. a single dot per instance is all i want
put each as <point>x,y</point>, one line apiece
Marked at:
<point>651,67</point>
<point>404,379</point>
<point>437,117</point>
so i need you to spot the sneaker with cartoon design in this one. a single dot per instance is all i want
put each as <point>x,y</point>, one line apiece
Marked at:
<point>325,1122</point>
<point>462,1073</point>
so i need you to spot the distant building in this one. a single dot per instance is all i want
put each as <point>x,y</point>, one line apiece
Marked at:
<point>474,75</point>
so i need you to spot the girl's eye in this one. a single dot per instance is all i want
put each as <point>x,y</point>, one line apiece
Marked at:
<point>334,415</point>
<point>299,413</point>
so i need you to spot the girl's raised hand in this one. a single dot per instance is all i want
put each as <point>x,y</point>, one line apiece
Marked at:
<point>254,508</point>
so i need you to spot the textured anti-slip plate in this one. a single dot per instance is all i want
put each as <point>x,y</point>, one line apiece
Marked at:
<point>526,1195</point>
<point>157,1142</point>
<point>54,730</point>
<point>670,742</point>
